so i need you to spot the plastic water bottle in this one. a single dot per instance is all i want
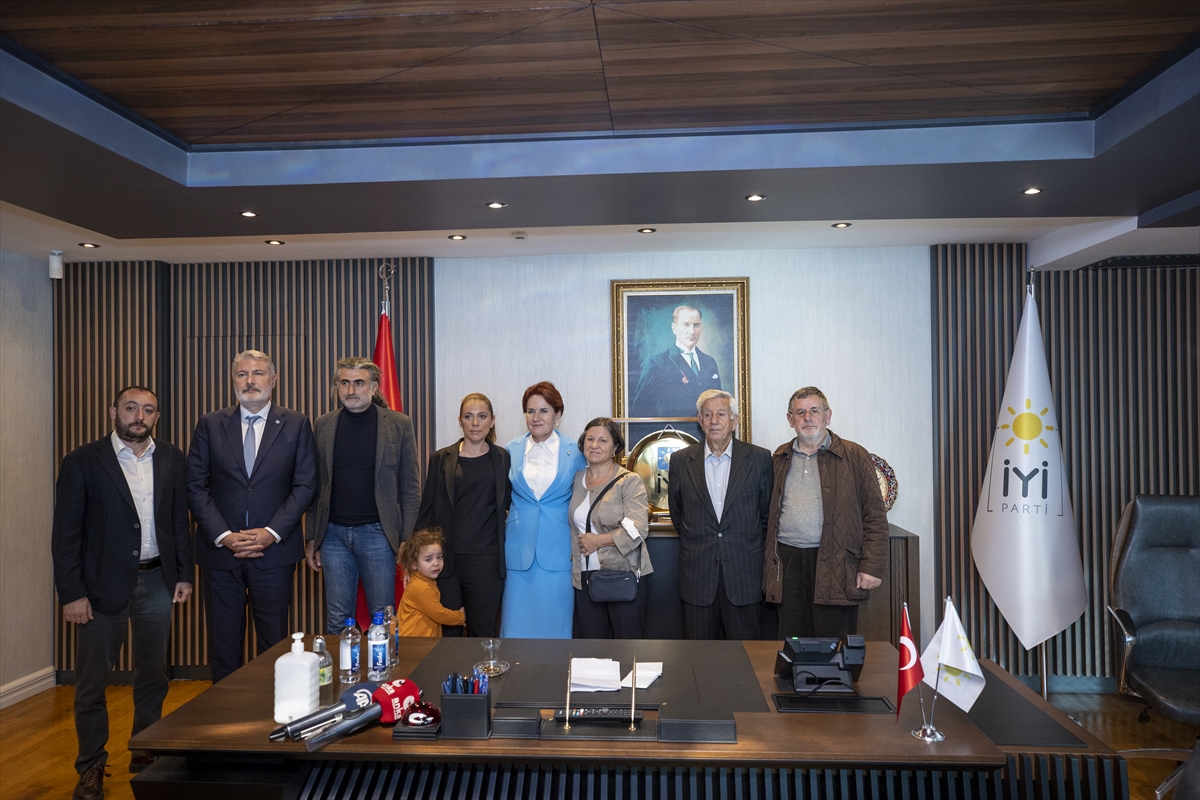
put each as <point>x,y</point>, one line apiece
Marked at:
<point>378,642</point>
<point>324,671</point>
<point>348,653</point>
<point>393,628</point>
<point>296,677</point>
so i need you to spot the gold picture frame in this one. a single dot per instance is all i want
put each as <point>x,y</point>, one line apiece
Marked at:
<point>646,387</point>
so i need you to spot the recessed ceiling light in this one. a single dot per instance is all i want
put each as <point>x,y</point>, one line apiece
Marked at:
<point>647,230</point>
<point>1033,190</point>
<point>89,245</point>
<point>754,198</point>
<point>497,204</point>
<point>275,242</point>
<point>458,237</point>
<point>841,225</point>
<point>249,214</point>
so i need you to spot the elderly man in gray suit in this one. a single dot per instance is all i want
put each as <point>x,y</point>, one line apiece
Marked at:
<point>720,496</point>
<point>368,493</point>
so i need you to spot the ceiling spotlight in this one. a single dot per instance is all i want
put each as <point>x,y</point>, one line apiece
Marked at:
<point>88,245</point>
<point>249,214</point>
<point>275,242</point>
<point>497,204</point>
<point>1033,190</point>
<point>457,237</point>
<point>754,198</point>
<point>56,264</point>
<point>840,225</point>
<point>647,230</point>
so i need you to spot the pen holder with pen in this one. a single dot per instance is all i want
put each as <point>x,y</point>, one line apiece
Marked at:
<point>466,716</point>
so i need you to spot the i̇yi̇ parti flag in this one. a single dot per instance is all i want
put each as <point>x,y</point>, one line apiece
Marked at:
<point>910,666</point>
<point>959,679</point>
<point>1024,540</point>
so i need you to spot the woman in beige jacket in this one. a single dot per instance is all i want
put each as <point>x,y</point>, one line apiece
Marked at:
<point>615,534</point>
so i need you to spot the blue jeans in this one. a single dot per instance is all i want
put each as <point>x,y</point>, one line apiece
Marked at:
<point>100,640</point>
<point>347,554</point>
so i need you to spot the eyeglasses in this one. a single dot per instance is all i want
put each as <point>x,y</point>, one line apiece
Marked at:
<point>802,413</point>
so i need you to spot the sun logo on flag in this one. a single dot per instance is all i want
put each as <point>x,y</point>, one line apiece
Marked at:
<point>1027,426</point>
<point>956,676</point>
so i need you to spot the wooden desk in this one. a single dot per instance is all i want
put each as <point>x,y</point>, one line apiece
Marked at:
<point>227,728</point>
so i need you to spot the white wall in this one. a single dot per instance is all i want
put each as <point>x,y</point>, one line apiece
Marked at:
<point>855,322</point>
<point>26,478</point>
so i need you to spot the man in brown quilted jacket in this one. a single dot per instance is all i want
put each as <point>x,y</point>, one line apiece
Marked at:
<point>827,534</point>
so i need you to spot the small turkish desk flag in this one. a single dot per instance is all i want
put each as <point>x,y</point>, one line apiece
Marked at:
<point>911,671</point>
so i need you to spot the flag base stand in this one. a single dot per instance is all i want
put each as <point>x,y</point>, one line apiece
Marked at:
<point>928,734</point>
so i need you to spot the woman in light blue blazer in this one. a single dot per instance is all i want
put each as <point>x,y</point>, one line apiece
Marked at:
<point>539,601</point>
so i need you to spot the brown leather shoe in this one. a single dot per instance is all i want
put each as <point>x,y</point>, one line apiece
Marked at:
<point>91,783</point>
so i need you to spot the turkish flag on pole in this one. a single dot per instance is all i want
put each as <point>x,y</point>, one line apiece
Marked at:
<point>389,387</point>
<point>385,359</point>
<point>911,671</point>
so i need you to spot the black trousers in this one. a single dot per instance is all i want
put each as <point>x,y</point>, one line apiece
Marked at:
<point>625,620</point>
<point>226,591</point>
<point>798,614</point>
<point>476,586</point>
<point>100,640</point>
<point>721,619</point>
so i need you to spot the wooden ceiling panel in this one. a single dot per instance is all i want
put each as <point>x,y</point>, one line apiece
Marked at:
<point>228,71</point>
<point>527,81</point>
<point>66,14</point>
<point>1060,57</point>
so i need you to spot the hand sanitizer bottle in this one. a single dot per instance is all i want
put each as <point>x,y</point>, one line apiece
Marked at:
<point>348,669</point>
<point>377,641</point>
<point>296,682</point>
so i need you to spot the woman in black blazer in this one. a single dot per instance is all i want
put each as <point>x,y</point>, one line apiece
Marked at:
<point>467,494</point>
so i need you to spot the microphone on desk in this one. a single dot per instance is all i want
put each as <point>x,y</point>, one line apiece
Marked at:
<point>356,697</point>
<point>388,703</point>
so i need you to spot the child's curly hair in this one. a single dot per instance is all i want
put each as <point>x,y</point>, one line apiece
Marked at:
<point>411,549</point>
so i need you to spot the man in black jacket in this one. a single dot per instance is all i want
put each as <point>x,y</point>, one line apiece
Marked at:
<point>720,494</point>
<point>122,554</point>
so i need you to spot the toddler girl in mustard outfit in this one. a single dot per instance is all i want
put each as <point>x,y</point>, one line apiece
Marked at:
<point>421,609</point>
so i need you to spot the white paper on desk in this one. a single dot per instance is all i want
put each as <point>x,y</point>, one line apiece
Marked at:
<point>648,672</point>
<point>595,675</point>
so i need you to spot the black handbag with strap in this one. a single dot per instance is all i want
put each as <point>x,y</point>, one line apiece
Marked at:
<point>611,585</point>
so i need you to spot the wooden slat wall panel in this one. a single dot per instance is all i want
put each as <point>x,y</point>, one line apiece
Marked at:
<point>105,326</point>
<point>1122,348</point>
<point>305,314</point>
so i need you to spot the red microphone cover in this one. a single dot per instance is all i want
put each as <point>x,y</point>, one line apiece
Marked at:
<point>396,696</point>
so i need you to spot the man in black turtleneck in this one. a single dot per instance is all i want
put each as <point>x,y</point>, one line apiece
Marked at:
<point>368,492</point>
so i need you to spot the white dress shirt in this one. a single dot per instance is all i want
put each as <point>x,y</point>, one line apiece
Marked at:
<point>716,475</point>
<point>139,474</point>
<point>259,427</point>
<point>541,463</point>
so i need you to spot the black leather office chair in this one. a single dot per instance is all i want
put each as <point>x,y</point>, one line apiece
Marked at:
<point>1156,603</point>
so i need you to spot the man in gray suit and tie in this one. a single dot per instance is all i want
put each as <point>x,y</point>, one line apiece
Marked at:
<point>720,495</point>
<point>368,493</point>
